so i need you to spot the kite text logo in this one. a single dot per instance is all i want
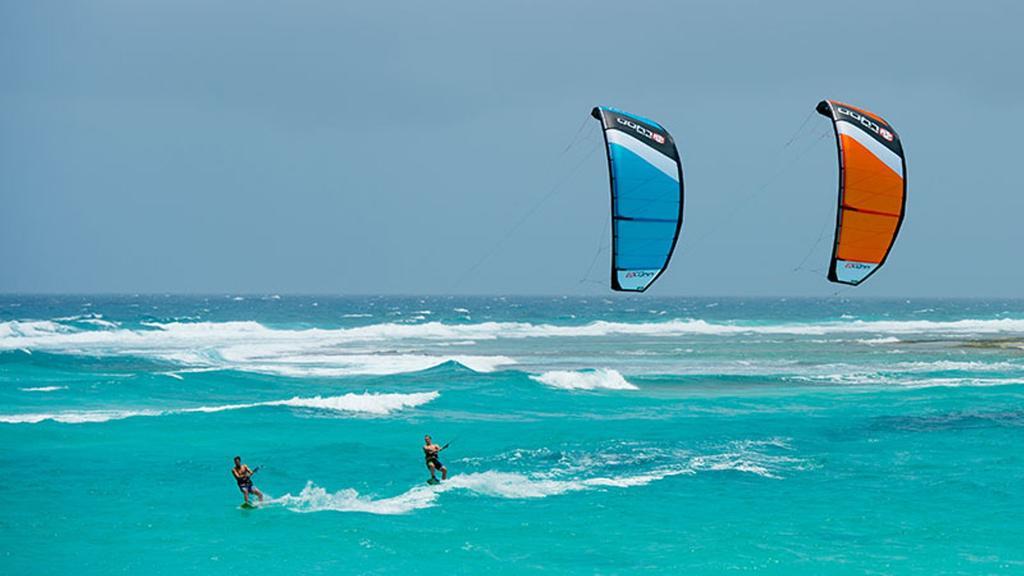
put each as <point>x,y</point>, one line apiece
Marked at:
<point>639,274</point>
<point>857,265</point>
<point>866,122</point>
<point>638,128</point>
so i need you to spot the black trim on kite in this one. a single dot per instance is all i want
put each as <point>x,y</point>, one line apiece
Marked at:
<point>632,219</point>
<point>596,113</point>
<point>874,212</point>
<point>825,109</point>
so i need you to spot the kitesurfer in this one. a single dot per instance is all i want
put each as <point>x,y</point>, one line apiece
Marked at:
<point>430,451</point>
<point>243,475</point>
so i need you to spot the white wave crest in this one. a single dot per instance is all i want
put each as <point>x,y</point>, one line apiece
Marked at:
<point>600,379</point>
<point>43,389</point>
<point>368,403</point>
<point>246,346</point>
<point>961,382</point>
<point>956,366</point>
<point>28,330</point>
<point>395,347</point>
<point>45,334</point>
<point>885,340</point>
<point>93,319</point>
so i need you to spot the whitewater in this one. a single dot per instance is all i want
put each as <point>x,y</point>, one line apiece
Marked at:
<point>776,435</point>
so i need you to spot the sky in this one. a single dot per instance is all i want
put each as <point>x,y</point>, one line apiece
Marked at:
<point>409,147</point>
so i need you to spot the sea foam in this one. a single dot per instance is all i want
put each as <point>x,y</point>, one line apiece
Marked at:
<point>246,346</point>
<point>494,484</point>
<point>600,379</point>
<point>50,335</point>
<point>394,347</point>
<point>368,403</point>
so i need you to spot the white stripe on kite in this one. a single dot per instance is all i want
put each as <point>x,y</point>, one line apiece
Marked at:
<point>888,157</point>
<point>652,156</point>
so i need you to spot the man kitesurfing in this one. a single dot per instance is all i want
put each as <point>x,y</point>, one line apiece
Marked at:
<point>430,451</point>
<point>243,476</point>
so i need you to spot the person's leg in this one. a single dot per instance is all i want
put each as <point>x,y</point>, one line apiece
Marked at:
<point>430,466</point>
<point>257,492</point>
<point>444,472</point>
<point>245,495</point>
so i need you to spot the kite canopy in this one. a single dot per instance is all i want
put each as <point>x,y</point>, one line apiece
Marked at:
<point>872,191</point>
<point>647,197</point>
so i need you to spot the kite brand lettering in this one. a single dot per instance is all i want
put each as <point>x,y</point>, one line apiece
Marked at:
<point>857,265</point>
<point>638,128</point>
<point>639,274</point>
<point>866,122</point>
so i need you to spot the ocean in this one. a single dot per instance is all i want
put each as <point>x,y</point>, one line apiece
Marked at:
<point>597,435</point>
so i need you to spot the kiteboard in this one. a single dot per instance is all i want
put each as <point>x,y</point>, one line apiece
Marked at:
<point>433,481</point>
<point>247,506</point>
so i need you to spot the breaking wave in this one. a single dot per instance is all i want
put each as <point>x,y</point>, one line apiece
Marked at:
<point>43,388</point>
<point>600,379</point>
<point>393,348</point>
<point>55,336</point>
<point>245,346</point>
<point>368,403</point>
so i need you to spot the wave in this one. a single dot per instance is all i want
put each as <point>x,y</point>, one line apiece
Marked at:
<point>333,365</point>
<point>955,366</point>
<point>93,319</point>
<point>29,329</point>
<point>960,382</point>
<point>178,374</point>
<point>396,347</point>
<point>367,403</point>
<point>884,340</point>
<point>49,334</point>
<point>890,373</point>
<point>875,370</point>
<point>507,485</point>
<point>43,389</point>
<point>600,379</point>
<point>879,379</point>
<point>245,346</point>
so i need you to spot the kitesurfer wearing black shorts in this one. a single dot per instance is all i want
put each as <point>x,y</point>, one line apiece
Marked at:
<point>243,476</point>
<point>430,451</point>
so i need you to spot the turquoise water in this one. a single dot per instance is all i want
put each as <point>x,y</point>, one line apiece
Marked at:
<point>590,436</point>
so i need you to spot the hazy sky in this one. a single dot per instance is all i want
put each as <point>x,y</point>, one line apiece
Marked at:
<point>389,147</point>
